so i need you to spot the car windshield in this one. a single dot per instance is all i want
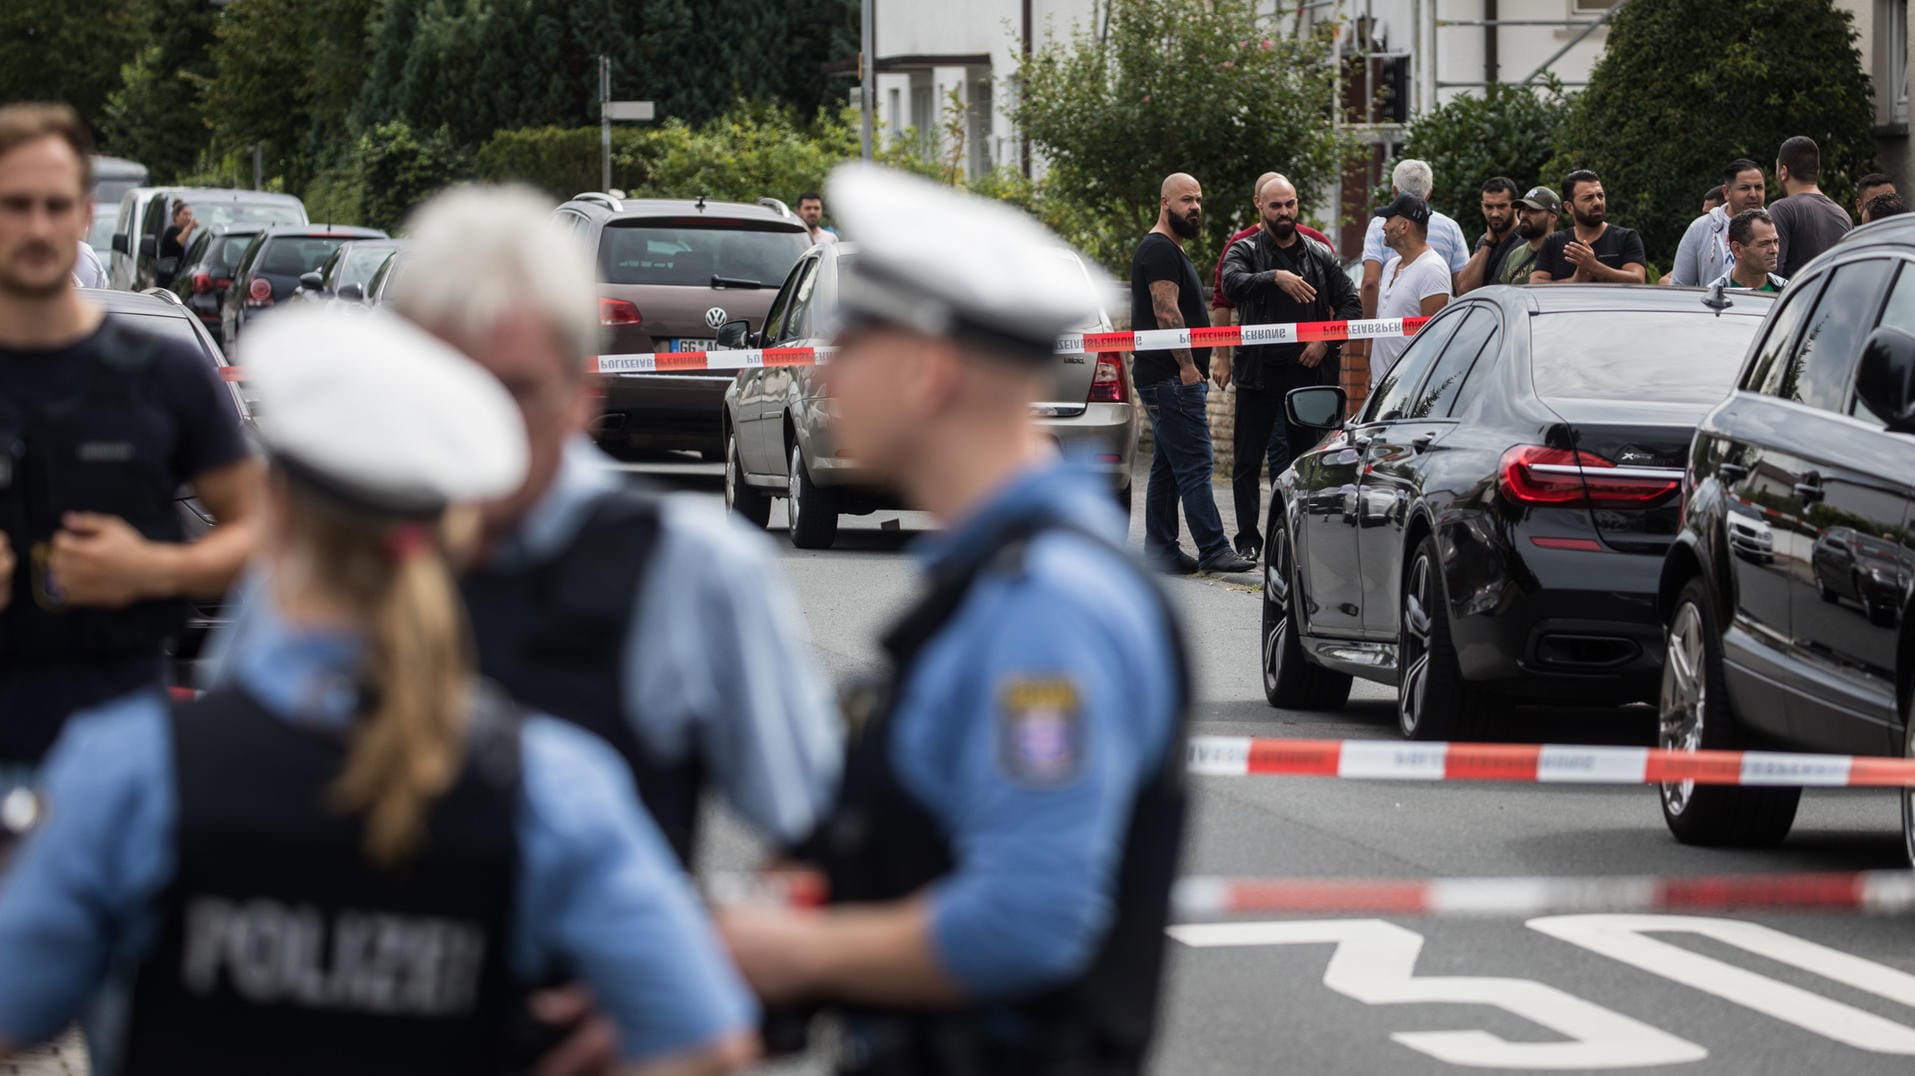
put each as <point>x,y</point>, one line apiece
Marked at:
<point>295,255</point>
<point>212,213</point>
<point>100,237</point>
<point>691,253</point>
<point>1669,356</point>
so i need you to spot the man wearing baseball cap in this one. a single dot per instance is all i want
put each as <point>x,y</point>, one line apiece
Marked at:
<point>1415,283</point>
<point>1536,214</point>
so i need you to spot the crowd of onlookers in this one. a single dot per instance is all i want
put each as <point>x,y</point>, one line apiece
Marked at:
<point>1415,260</point>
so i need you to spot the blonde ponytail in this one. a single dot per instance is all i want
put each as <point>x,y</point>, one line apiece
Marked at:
<point>408,743</point>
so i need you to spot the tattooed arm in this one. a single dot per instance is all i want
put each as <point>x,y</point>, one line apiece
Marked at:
<point>1163,303</point>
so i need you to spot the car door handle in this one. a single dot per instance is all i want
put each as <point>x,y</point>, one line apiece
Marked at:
<point>1810,488</point>
<point>1731,472</point>
<point>1422,442</point>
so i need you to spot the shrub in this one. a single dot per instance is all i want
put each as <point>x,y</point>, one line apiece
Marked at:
<point>1510,131</point>
<point>396,171</point>
<point>1686,86</point>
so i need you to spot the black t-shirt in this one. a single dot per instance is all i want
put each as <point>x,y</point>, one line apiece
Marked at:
<point>1807,225</point>
<point>194,416</point>
<point>1160,258</point>
<point>1498,257</point>
<point>1616,247</point>
<point>170,245</point>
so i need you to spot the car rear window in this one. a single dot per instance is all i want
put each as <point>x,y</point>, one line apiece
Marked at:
<point>226,251</point>
<point>295,255</point>
<point>1665,355</point>
<point>176,329</point>
<point>691,253</point>
<point>361,264</point>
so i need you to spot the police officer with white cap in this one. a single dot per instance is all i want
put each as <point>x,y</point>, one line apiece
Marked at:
<point>1002,853</point>
<point>352,856</point>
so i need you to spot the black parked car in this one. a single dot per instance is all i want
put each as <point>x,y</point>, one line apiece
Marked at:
<point>1801,640</point>
<point>161,313</point>
<point>270,271</point>
<point>1489,530</point>
<point>206,273</point>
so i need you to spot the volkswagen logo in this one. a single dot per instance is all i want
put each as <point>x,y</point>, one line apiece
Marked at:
<point>716,316</point>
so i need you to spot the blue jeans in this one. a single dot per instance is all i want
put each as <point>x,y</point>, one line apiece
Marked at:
<point>1180,468</point>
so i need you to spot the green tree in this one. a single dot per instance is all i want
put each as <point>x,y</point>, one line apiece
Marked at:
<point>286,76</point>
<point>155,116</point>
<point>397,170</point>
<point>1510,131</point>
<point>1686,86</point>
<point>1177,86</point>
<point>65,50</point>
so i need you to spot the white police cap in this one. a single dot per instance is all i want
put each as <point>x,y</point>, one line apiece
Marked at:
<point>945,263</point>
<point>380,414</point>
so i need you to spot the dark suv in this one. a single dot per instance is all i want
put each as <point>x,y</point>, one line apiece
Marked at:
<point>1786,594</point>
<point>670,273</point>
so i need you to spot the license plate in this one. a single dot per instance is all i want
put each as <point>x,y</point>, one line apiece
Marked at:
<point>685,344</point>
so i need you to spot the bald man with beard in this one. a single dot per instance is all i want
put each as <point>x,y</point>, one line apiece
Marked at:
<point>1223,311</point>
<point>1166,293</point>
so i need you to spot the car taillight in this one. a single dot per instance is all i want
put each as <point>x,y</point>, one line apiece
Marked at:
<point>1107,384</point>
<point>259,292</point>
<point>202,283</point>
<point>617,312</point>
<point>1533,474</point>
<point>221,283</point>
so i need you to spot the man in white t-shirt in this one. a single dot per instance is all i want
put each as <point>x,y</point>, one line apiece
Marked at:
<point>1415,283</point>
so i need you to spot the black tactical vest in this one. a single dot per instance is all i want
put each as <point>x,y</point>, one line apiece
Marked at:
<point>107,449</point>
<point>882,845</point>
<point>283,950</point>
<point>553,634</point>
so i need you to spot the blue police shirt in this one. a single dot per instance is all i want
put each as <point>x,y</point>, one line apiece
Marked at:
<point>599,889</point>
<point>715,659</point>
<point>1036,807</point>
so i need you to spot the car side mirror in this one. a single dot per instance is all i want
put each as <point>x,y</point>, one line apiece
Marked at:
<point>1885,382</point>
<point>1319,407</point>
<point>310,281</point>
<point>734,335</point>
<point>119,243</point>
<point>353,293</point>
<point>149,247</point>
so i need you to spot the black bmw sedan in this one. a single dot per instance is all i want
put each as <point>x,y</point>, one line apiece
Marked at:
<point>1490,527</point>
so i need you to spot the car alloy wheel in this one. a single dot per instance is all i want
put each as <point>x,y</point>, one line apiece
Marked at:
<point>794,488</point>
<point>751,505</point>
<point>1414,655</point>
<point>1684,699</point>
<point>1277,621</point>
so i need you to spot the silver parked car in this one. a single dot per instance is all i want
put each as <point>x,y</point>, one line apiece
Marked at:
<point>777,423</point>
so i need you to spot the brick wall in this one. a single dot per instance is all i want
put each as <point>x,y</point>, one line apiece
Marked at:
<point>1356,380</point>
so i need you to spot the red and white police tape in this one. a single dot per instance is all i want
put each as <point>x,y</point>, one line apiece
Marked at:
<point>1202,897</point>
<point>1240,756</point>
<point>1870,892</point>
<point>1303,332</point>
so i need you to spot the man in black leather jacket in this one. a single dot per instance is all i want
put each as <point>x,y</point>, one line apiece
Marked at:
<point>1277,277</point>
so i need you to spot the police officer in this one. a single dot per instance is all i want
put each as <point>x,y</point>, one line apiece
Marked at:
<point>655,622</point>
<point>100,424</point>
<point>350,857</point>
<point>1002,853</point>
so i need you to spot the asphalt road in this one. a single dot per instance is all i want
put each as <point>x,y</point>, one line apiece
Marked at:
<point>1783,994</point>
<point>1765,994</point>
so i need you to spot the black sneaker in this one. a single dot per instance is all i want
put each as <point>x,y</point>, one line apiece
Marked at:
<point>1250,548</point>
<point>1177,562</point>
<point>1228,564</point>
